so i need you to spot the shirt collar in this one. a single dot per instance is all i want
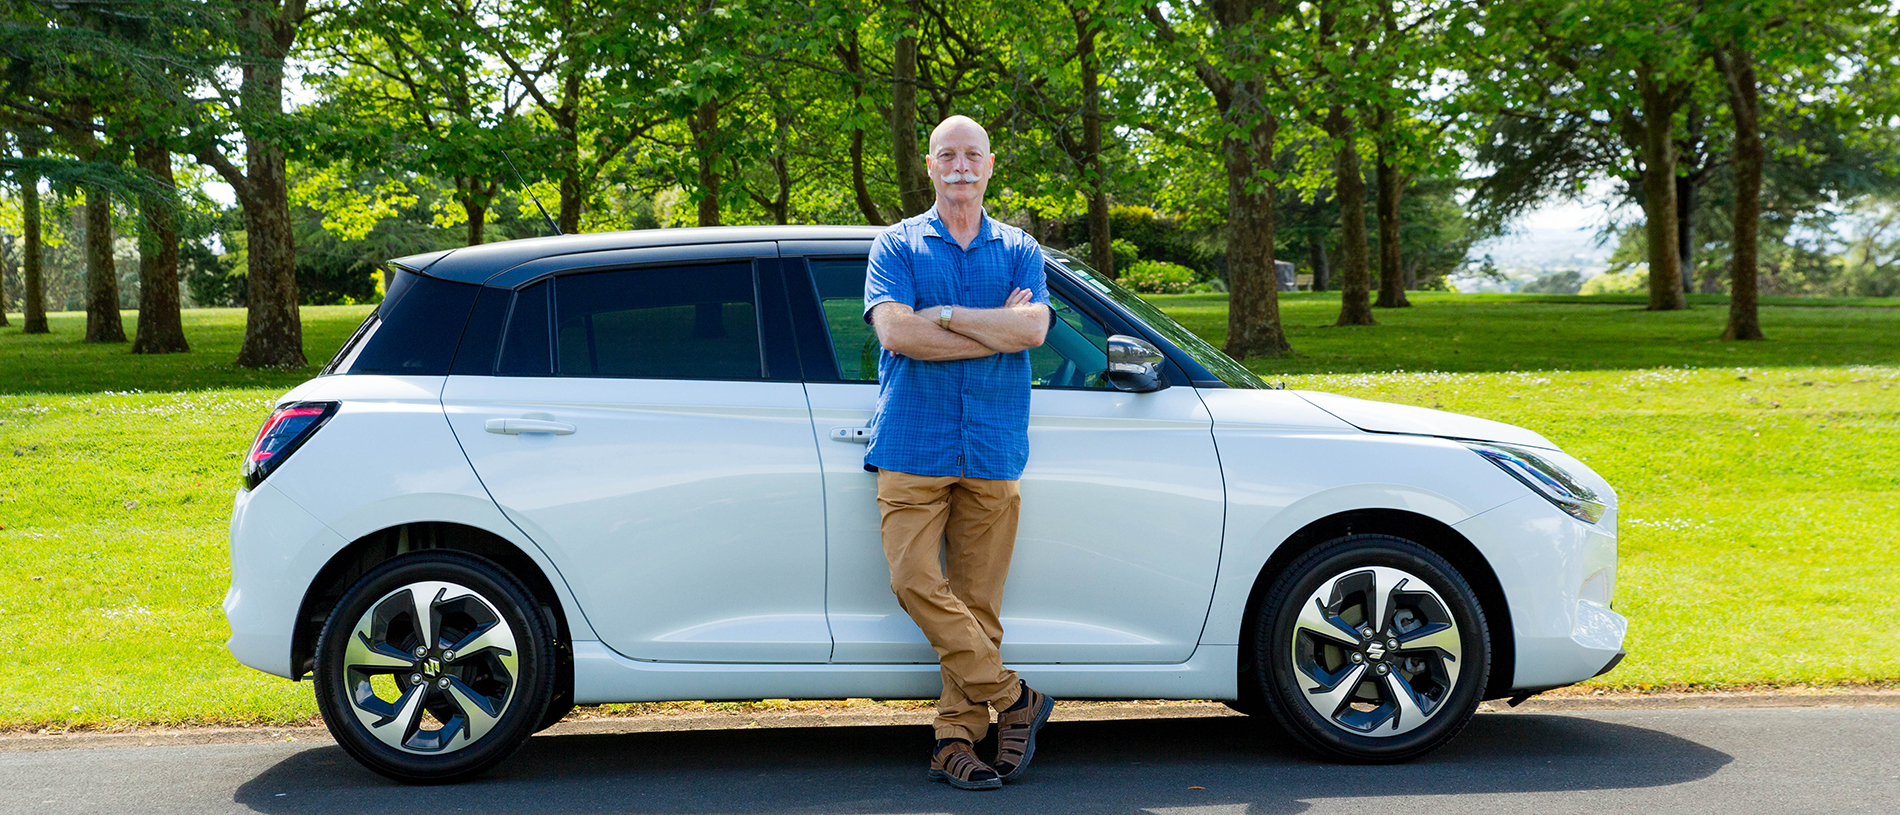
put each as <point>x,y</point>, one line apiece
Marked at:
<point>934,227</point>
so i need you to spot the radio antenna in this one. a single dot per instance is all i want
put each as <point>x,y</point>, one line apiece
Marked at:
<point>531,195</point>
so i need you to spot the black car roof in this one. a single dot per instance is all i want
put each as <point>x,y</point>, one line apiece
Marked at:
<point>476,264</point>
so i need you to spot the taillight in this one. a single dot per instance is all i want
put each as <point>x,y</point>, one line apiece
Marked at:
<point>286,429</point>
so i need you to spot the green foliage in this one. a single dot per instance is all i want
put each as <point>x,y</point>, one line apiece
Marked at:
<point>1564,282</point>
<point>1616,283</point>
<point>1126,252</point>
<point>1158,277</point>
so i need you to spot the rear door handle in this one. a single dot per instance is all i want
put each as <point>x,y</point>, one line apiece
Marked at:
<point>516,427</point>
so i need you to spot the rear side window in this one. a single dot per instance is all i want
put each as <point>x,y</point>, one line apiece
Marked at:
<point>527,348</point>
<point>695,322</point>
<point>413,332</point>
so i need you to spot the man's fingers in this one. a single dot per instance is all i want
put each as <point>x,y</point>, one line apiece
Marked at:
<point>1018,297</point>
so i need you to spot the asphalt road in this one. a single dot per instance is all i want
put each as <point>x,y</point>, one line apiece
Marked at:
<point>1760,762</point>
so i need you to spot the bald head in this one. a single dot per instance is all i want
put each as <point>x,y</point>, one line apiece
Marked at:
<point>959,128</point>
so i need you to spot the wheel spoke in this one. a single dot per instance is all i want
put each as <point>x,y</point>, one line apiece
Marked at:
<point>423,607</point>
<point>396,730</point>
<point>477,715</point>
<point>1328,700</point>
<point>362,653</point>
<point>1443,637</point>
<point>1409,715</point>
<point>495,635</point>
<point>1315,620</point>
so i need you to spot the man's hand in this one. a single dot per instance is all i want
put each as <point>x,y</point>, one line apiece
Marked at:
<point>1019,325</point>
<point>904,331</point>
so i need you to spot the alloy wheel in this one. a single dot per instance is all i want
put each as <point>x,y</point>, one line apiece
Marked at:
<point>431,667</point>
<point>1375,650</point>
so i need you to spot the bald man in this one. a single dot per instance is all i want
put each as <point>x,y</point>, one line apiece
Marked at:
<point>957,299</point>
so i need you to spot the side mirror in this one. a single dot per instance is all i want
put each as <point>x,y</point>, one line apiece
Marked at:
<point>1134,364</point>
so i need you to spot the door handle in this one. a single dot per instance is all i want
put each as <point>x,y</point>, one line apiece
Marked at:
<point>516,427</point>
<point>855,435</point>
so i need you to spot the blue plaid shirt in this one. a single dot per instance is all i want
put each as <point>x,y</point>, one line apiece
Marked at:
<point>966,417</point>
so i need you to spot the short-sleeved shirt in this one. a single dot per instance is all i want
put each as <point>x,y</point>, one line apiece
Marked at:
<point>964,417</point>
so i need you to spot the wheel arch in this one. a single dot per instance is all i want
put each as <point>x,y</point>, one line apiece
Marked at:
<point>1424,530</point>
<point>353,561</point>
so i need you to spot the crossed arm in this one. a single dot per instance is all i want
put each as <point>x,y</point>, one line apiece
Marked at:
<point>974,332</point>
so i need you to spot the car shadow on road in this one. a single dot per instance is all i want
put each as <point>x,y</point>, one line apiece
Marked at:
<point>1106,766</point>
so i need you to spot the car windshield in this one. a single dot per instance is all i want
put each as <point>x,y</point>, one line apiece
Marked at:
<point>1211,358</point>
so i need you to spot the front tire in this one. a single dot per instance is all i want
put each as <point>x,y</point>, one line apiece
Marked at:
<point>434,667</point>
<point>1371,648</point>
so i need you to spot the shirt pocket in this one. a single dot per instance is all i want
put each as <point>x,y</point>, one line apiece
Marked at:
<point>985,285</point>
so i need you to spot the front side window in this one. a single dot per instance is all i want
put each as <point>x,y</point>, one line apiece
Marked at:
<point>694,322</point>
<point>841,293</point>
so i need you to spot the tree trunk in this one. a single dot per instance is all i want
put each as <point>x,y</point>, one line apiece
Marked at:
<point>853,56</point>
<point>568,130</point>
<point>1253,309</point>
<point>1101,252</point>
<point>913,186</point>
<point>705,127</point>
<point>273,330</point>
<point>1322,267</point>
<point>1686,188</point>
<point>161,327</point>
<point>1349,188</point>
<point>1659,197</point>
<point>31,259</point>
<point>861,193</point>
<point>477,222</point>
<point>1738,69</point>
<point>1391,266</point>
<point>103,323</point>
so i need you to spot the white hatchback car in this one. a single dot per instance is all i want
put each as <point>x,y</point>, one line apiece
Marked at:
<point>629,467</point>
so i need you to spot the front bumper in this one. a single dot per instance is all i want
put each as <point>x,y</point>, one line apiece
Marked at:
<point>1558,575</point>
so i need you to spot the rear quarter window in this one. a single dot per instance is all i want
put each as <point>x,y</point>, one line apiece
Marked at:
<point>413,332</point>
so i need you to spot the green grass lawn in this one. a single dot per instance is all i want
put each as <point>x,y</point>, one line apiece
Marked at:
<point>1759,490</point>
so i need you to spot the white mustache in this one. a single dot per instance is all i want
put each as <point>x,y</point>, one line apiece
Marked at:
<point>959,177</point>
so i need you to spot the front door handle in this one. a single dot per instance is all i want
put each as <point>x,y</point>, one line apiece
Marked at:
<point>855,435</point>
<point>516,427</point>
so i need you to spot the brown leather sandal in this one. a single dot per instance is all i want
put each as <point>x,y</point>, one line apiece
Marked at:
<point>957,765</point>
<point>1016,733</point>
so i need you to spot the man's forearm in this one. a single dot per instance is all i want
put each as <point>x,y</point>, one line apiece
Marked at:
<point>904,332</point>
<point>1007,329</point>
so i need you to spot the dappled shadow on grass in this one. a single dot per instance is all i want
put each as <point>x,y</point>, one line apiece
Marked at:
<point>62,363</point>
<point>1118,766</point>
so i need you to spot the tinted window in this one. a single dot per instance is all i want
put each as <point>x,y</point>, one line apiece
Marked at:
<point>841,294</point>
<point>695,322</point>
<point>526,348</point>
<point>1216,363</point>
<point>1074,354</point>
<point>476,355</point>
<point>414,331</point>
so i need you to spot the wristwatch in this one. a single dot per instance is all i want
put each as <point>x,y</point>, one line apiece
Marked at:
<point>943,317</point>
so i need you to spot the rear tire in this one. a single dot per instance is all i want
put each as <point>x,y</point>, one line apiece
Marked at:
<point>1371,649</point>
<point>434,667</point>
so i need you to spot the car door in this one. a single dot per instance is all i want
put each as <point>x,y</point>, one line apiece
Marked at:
<point>1120,533</point>
<point>635,428</point>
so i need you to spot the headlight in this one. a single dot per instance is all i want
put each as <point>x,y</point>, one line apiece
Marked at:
<point>1544,478</point>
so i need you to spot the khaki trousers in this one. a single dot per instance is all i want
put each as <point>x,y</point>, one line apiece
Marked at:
<point>949,540</point>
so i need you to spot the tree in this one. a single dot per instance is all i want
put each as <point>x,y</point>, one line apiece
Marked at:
<point>415,94</point>
<point>32,262</point>
<point>1628,62</point>
<point>1222,48</point>
<point>263,33</point>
